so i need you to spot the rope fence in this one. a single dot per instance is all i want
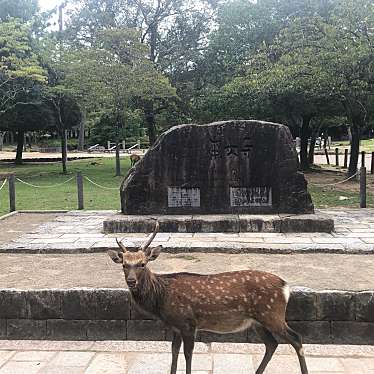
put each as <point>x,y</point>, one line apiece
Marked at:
<point>336,183</point>
<point>51,186</point>
<point>3,185</point>
<point>98,185</point>
<point>12,179</point>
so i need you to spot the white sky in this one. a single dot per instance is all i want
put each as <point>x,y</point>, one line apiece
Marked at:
<point>49,4</point>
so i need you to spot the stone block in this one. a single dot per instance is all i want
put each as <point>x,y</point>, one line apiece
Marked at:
<point>247,167</point>
<point>316,332</point>
<point>107,330</point>
<point>239,337</point>
<point>336,306</point>
<point>112,304</point>
<point>365,306</point>
<point>44,304</point>
<point>2,328</point>
<point>145,330</point>
<point>26,329</point>
<point>252,336</point>
<point>302,305</point>
<point>60,329</point>
<point>217,223</point>
<point>12,304</point>
<point>79,304</point>
<point>345,332</point>
<point>251,223</point>
<point>307,223</point>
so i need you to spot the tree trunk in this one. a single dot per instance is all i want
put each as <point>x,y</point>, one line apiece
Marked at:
<point>2,134</point>
<point>81,135</point>
<point>20,143</point>
<point>312,146</point>
<point>355,148</point>
<point>311,149</point>
<point>64,152</point>
<point>304,161</point>
<point>151,122</point>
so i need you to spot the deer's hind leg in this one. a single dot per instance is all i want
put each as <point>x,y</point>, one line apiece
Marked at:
<point>295,340</point>
<point>271,345</point>
<point>175,348</point>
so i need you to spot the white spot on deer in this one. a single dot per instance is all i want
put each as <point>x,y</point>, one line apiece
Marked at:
<point>264,277</point>
<point>257,279</point>
<point>271,300</point>
<point>218,297</point>
<point>275,294</point>
<point>268,306</point>
<point>263,314</point>
<point>259,297</point>
<point>286,292</point>
<point>234,280</point>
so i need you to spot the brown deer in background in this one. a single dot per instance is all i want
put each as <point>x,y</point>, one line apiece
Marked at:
<point>221,303</point>
<point>134,158</point>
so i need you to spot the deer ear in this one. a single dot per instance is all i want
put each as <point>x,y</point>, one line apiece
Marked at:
<point>116,256</point>
<point>154,253</point>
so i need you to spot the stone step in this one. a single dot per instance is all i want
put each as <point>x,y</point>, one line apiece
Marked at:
<point>220,223</point>
<point>85,297</point>
<point>322,317</point>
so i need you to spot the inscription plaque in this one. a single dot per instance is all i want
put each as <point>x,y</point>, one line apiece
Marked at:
<point>250,196</point>
<point>183,197</point>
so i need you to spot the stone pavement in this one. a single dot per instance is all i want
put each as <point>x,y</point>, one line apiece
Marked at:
<point>81,231</point>
<point>120,357</point>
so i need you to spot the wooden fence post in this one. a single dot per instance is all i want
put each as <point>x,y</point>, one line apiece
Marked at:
<point>12,193</point>
<point>327,156</point>
<point>363,159</point>
<point>337,156</point>
<point>363,187</point>
<point>372,163</point>
<point>345,158</point>
<point>80,191</point>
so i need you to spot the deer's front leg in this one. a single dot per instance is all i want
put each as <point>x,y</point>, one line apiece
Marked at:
<point>188,345</point>
<point>175,347</point>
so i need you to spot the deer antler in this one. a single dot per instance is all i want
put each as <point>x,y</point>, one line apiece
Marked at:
<point>120,244</point>
<point>149,241</point>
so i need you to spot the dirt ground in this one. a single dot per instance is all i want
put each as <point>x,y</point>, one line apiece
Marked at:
<point>317,271</point>
<point>13,227</point>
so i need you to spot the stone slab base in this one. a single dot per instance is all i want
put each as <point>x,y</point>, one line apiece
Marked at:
<point>220,223</point>
<point>323,317</point>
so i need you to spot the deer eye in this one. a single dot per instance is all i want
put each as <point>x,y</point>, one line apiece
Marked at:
<point>142,265</point>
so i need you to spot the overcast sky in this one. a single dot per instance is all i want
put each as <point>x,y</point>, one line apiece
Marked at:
<point>49,4</point>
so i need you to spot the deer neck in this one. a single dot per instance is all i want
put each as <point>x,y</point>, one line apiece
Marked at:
<point>149,293</point>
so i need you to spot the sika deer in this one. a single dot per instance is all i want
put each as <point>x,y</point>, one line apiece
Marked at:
<point>222,303</point>
<point>134,158</point>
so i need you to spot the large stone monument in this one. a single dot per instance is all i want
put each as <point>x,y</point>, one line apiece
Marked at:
<point>223,167</point>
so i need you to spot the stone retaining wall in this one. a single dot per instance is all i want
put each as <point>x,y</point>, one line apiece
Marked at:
<point>334,317</point>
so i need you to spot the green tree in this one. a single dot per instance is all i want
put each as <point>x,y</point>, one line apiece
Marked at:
<point>21,73</point>
<point>113,73</point>
<point>24,10</point>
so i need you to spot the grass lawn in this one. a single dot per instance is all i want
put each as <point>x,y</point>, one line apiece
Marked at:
<point>64,197</point>
<point>341,195</point>
<point>101,171</point>
<point>366,145</point>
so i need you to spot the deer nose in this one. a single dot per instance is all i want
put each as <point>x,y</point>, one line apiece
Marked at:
<point>131,283</point>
